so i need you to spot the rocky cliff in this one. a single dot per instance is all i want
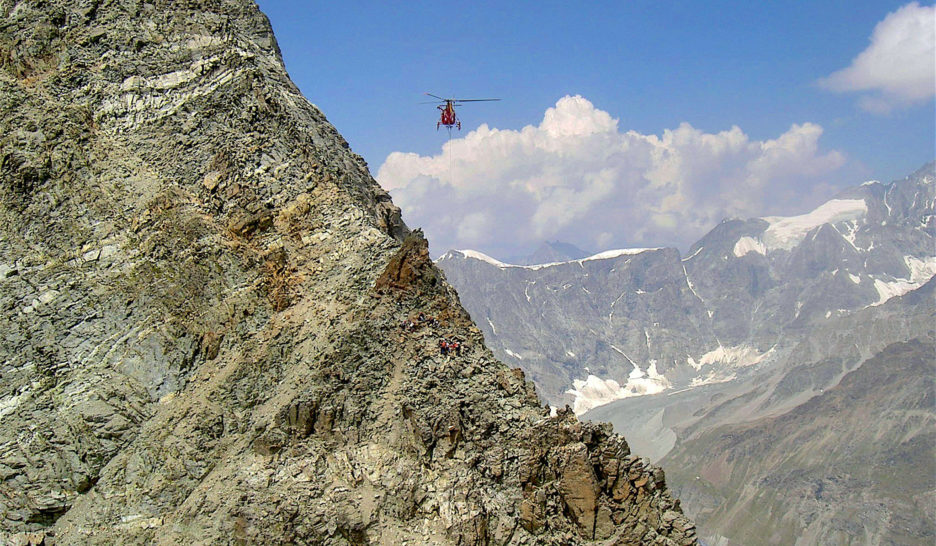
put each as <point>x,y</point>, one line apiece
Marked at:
<point>201,299</point>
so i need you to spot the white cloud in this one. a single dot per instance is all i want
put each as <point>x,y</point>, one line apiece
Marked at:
<point>577,177</point>
<point>899,66</point>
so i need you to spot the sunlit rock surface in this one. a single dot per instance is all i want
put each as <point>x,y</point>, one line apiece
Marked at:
<point>201,299</point>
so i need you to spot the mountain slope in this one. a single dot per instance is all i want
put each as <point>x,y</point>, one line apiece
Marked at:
<point>202,290</point>
<point>852,463</point>
<point>605,314</point>
<point>554,252</point>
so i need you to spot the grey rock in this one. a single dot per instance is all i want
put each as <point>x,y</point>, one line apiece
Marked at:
<point>200,313</point>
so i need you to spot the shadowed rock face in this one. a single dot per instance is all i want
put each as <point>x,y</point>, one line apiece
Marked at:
<point>201,292</point>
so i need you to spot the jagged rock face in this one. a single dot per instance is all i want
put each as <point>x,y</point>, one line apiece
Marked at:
<point>374,439</point>
<point>144,165</point>
<point>202,290</point>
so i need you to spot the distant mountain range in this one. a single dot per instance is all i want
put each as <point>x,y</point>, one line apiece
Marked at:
<point>759,324</point>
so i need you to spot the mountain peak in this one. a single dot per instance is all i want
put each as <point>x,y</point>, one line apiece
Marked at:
<point>217,327</point>
<point>552,252</point>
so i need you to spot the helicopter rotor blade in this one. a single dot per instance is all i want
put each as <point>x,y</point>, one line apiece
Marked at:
<point>474,100</point>
<point>435,96</point>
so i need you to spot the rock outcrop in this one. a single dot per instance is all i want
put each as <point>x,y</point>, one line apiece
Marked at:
<point>201,298</point>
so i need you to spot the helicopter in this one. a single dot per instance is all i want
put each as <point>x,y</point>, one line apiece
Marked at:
<point>448,118</point>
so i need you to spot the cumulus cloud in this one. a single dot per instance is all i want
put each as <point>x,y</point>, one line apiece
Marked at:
<point>898,67</point>
<point>577,177</point>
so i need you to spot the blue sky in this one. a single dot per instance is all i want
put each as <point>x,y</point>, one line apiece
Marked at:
<point>649,65</point>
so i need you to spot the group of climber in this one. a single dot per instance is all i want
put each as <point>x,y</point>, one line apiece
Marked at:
<point>449,346</point>
<point>422,320</point>
<point>446,346</point>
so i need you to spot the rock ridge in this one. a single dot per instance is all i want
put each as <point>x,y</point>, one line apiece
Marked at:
<point>201,299</point>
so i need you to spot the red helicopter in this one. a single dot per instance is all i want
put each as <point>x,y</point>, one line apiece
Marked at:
<point>448,118</point>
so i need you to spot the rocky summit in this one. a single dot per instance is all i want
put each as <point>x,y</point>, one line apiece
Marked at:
<point>216,327</point>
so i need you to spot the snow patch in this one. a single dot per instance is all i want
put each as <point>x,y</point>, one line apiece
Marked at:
<point>692,288</point>
<point>710,379</point>
<point>624,355</point>
<point>921,271</point>
<point>890,289</point>
<point>749,244</point>
<point>513,354</point>
<point>693,255</point>
<point>738,356</point>
<point>730,358</point>
<point>570,354</point>
<point>619,252</point>
<point>850,235</point>
<point>652,372</point>
<point>785,232</point>
<point>484,258</point>
<point>594,391</point>
<point>608,254</point>
<point>854,278</point>
<point>491,324</point>
<point>611,314</point>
